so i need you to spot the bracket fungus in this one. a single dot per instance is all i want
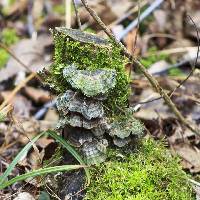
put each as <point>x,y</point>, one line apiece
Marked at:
<point>90,78</point>
<point>90,83</point>
<point>72,101</point>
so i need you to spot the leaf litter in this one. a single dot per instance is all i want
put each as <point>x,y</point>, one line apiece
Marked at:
<point>37,53</point>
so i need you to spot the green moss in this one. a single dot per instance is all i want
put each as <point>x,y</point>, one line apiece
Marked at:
<point>60,8</point>
<point>9,36</point>
<point>2,116</point>
<point>4,56</point>
<point>150,173</point>
<point>153,57</point>
<point>90,30</point>
<point>91,57</point>
<point>175,72</point>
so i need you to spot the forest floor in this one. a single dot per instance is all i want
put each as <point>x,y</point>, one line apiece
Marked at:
<point>166,43</point>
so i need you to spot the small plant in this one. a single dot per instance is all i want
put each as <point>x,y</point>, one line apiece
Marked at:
<point>42,171</point>
<point>4,56</point>
<point>146,174</point>
<point>8,37</point>
<point>153,57</point>
<point>175,72</point>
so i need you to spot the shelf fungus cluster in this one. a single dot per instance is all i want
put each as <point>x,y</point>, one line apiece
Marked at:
<point>90,77</point>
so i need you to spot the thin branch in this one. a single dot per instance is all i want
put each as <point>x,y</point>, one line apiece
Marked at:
<point>192,70</point>
<point>77,15</point>
<point>15,57</point>
<point>142,68</point>
<point>197,56</point>
<point>146,13</point>
<point>103,26</point>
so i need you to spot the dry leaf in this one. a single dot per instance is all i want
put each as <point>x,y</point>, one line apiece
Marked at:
<point>37,95</point>
<point>31,53</point>
<point>190,154</point>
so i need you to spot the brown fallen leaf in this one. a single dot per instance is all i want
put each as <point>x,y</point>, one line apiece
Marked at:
<point>37,95</point>
<point>17,8</point>
<point>190,29</point>
<point>31,52</point>
<point>52,116</point>
<point>44,142</point>
<point>190,154</point>
<point>117,8</point>
<point>22,106</point>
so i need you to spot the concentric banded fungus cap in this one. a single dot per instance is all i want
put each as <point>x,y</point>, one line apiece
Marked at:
<point>78,136</point>
<point>124,128</point>
<point>95,152</point>
<point>76,120</point>
<point>101,128</point>
<point>121,142</point>
<point>74,102</point>
<point>90,83</point>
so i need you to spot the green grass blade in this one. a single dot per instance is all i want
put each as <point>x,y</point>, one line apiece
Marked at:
<point>40,172</point>
<point>65,144</point>
<point>24,151</point>
<point>18,157</point>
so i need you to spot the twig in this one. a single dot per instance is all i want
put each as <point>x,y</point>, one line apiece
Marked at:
<point>133,24</point>
<point>14,92</point>
<point>172,51</point>
<point>126,15</point>
<point>77,15</point>
<point>15,57</point>
<point>68,13</point>
<point>136,63</point>
<point>149,100</point>
<point>194,66</point>
<point>192,70</point>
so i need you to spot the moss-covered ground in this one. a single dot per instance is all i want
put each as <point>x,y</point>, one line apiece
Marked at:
<point>147,173</point>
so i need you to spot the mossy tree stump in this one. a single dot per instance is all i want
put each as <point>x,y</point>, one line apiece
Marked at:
<point>89,75</point>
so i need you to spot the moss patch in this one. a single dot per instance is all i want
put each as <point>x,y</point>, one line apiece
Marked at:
<point>8,37</point>
<point>150,173</point>
<point>4,56</point>
<point>153,57</point>
<point>175,72</point>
